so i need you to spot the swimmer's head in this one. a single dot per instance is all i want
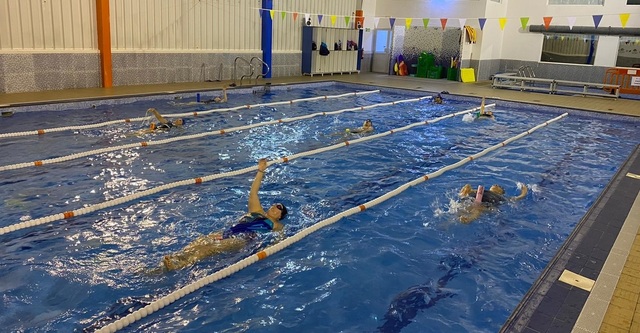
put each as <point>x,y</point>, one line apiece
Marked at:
<point>497,189</point>
<point>278,210</point>
<point>178,122</point>
<point>367,123</point>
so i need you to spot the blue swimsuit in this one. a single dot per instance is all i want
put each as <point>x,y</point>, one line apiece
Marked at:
<point>248,226</point>
<point>165,126</point>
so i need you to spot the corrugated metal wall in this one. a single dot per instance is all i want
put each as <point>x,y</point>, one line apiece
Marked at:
<point>287,34</point>
<point>159,25</point>
<point>48,24</point>
<point>185,24</point>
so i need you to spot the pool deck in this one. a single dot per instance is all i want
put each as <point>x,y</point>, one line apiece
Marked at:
<point>591,285</point>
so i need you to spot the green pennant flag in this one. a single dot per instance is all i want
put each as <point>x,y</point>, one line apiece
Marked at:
<point>346,20</point>
<point>524,21</point>
<point>425,22</point>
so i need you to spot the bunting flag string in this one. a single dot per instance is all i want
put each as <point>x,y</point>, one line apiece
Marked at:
<point>408,21</point>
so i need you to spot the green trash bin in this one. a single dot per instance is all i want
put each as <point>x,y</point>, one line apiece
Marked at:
<point>435,72</point>
<point>425,61</point>
<point>452,74</point>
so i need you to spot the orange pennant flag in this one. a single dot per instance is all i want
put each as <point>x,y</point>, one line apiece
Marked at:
<point>295,16</point>
<point>443,22</point>
<point>547,22</point>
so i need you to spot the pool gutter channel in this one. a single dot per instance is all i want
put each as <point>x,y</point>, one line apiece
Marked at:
<point>547,289</point>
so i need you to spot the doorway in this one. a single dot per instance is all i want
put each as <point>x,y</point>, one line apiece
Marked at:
<point>381,61</point>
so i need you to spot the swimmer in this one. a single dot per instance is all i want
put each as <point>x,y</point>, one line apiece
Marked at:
<point>437,99</point>
<point>484,114</point>
<point>163,124</point>
<point>484,200</point>
<point>233,239</point>
<point>367,127</point>
<point>216,99</point>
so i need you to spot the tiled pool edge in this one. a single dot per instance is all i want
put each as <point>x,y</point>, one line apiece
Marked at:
<point>554,306</point>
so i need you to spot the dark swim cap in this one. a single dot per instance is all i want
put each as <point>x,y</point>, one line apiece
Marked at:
<point>283,211</point>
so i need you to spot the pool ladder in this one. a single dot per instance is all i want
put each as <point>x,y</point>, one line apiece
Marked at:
<point>250,64</point>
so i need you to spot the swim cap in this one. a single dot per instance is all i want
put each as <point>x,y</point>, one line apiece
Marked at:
<point>283,211</point>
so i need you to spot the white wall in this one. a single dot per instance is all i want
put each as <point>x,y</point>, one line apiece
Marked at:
<point>523,45</point>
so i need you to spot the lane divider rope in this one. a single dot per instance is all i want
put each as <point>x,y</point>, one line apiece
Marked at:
<point>39,163</point>
<point>118,201</point>
<point>177,115</point>
<point>227,271</point>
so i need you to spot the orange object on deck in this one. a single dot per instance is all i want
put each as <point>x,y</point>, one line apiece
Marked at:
<point>627,78</point>
<point>359,19</point>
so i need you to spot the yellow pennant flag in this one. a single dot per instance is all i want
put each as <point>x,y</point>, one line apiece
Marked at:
<point>271,12</point>
<point>333,19</point>
<point>503,22</point>
<point>623,19</point>
<point>407,22</point>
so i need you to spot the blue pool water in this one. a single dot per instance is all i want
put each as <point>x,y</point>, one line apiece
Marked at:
<point>410,252</point>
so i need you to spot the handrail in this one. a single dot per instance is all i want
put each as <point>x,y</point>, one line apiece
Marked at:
<point>524,70</point>
<point>235,65</point>
<point>264,64</point>
<point>553,85</point>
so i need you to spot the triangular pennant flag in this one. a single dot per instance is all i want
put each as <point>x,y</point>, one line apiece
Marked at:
<point>260,11</point>
<point>482,21</point>
<point>346,20</point>
<point>392,21</point>
<point>425,22</point>
<point>623,19</point>
<point>271,12</point>
<point>319,18</point>
<point>295,16</point>
<point>547,22</point>
<point>597,19</point>
<point>333,20</point>
<point>462,22</point>
<point>523,22</point>
<point>443,23</point>
<point>407,22</point>
<point>503,22</point>
<point>572,21</point>
<point>284,14</point>
<point>376,20</point>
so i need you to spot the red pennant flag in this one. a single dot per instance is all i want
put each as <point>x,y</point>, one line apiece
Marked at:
<point>547,22</point>
<point>295,16</point>
<point>443,22</point>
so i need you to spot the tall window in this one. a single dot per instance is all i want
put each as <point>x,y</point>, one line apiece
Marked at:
<point>629,52</point>
<point>569,48</point>
<point>577,2</point>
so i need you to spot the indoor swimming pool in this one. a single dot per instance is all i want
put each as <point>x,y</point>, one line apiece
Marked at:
<point>406,264</point>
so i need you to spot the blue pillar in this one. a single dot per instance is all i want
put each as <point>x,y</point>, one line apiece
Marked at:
<point>267,35</point>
